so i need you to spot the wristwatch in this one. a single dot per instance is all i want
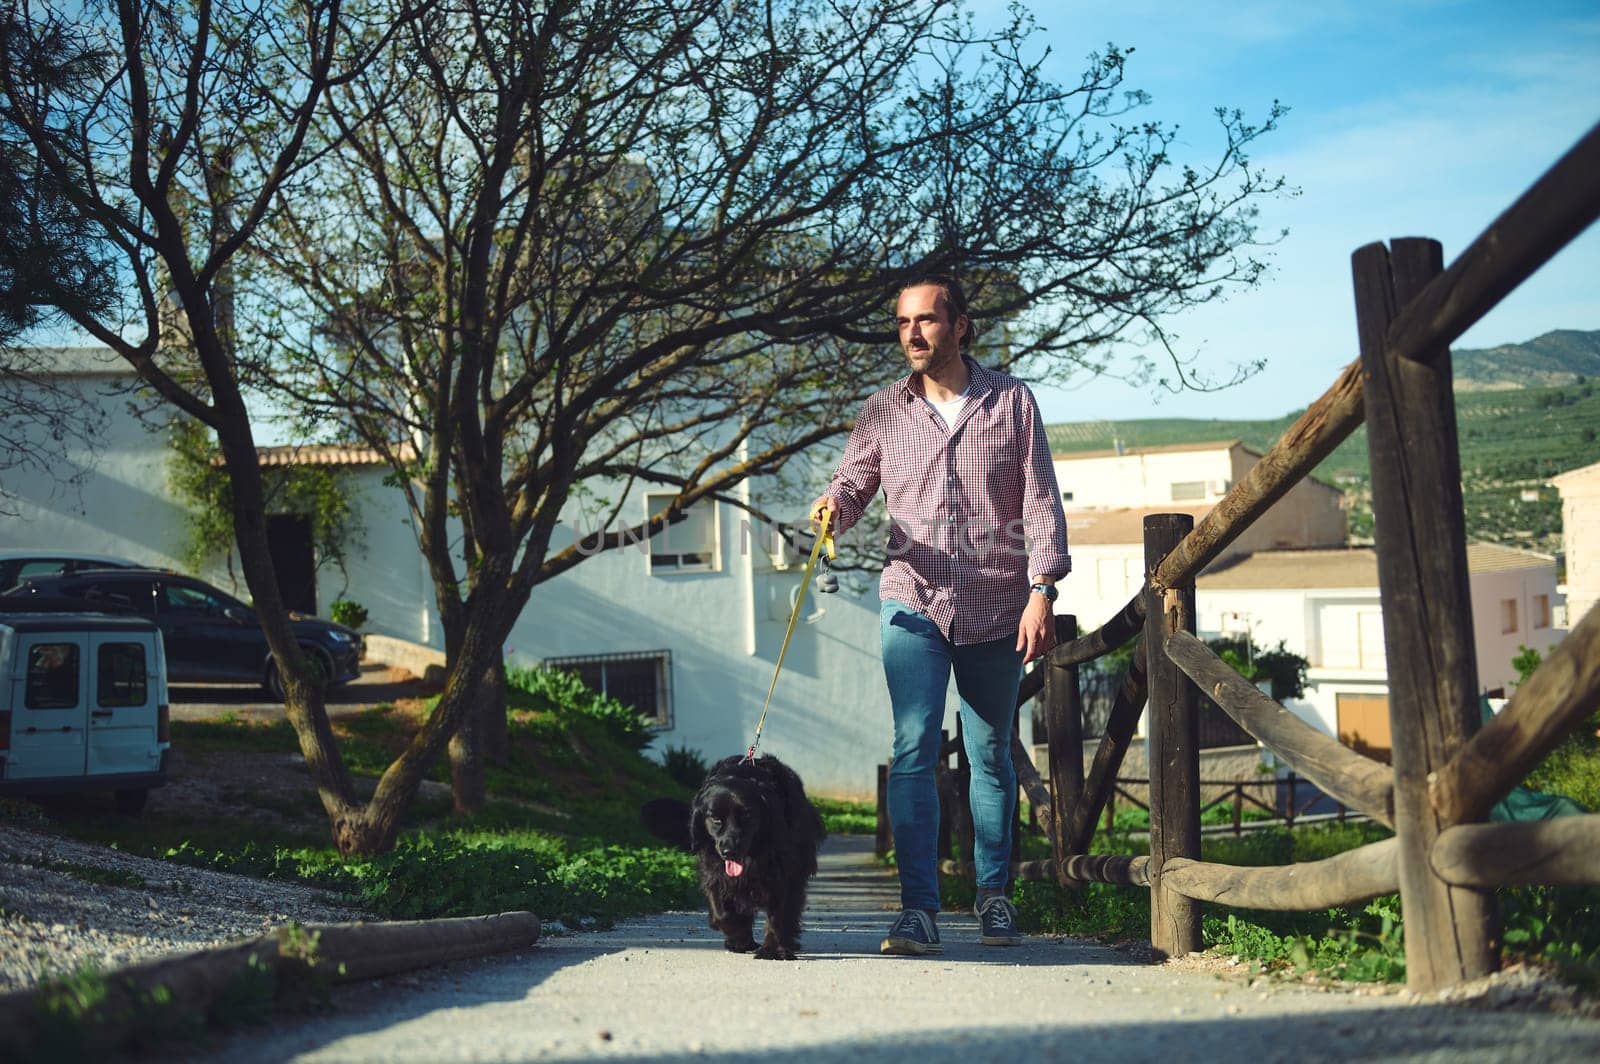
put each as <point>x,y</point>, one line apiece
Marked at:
<point>1047,590</point>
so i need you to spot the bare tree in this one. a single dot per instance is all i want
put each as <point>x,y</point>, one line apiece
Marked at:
<point>49,257</point>
<point>551,251</point>
<point>174,147</point>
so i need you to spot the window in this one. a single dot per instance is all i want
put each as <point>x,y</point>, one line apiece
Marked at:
<point>1188,490</point>
<point>122,677</point>
<point>1066,496</point>
<point>1508,616</point>
<point>180,598</point>
<point>690,544</point>
<point>1541,611</point>
<point>642,680</point>
<point>1363,721</point>
<point>52,676</point>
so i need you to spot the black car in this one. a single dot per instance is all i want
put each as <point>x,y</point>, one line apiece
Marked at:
<point>210,636</point>
<point>19,565</point>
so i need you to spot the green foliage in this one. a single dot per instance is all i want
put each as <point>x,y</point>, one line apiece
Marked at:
<point>686,765</point>
<point>1526,663</point>
<point>347,612</point>
<point>203,487</point>
<point>1286,669</point>
<point>1573,767</point>
<point>565,694</point>
<point>847,818</point>
<point>472,873</point>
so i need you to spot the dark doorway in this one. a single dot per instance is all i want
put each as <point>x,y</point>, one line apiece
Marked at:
<point>289,537</point>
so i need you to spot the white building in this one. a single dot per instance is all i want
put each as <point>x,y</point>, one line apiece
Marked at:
<point>1108,494</point>
<point>1580,534</point>
<point>1324,605</point>
<point>688,625</point>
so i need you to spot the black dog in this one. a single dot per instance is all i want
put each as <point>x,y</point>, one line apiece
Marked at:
<point>757,836</point>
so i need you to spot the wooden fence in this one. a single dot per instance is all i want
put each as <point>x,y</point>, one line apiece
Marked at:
<point>1446,772</point>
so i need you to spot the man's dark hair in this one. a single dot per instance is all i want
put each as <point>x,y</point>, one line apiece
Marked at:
<point>954,295</point>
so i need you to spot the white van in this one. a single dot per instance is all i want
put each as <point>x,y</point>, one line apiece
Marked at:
<point>83,705</point>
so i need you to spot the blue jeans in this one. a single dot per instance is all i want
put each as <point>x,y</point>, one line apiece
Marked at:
<point>917,662</point>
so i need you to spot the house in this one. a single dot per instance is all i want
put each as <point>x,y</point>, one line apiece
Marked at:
<point>1324,604</point>
<point>1108,494</point>
<point>104,490</point>
<point>685,626</point>
<point>1580,533</point>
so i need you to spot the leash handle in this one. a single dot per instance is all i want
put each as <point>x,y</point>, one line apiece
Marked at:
<point>824,540</point>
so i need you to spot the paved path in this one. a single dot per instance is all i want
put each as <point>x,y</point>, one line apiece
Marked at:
<point>663,989</point>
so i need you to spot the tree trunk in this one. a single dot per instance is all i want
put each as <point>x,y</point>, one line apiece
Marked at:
<point>482,739</point>
<point>494,727</point>
<point>468,785</point>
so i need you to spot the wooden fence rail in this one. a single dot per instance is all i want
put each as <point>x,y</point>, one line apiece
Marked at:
<point>1410,308</point>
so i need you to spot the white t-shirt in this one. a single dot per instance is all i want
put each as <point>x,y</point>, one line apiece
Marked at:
<point>949,411</point>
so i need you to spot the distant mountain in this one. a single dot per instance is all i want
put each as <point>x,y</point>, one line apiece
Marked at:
<point>1554,359</point>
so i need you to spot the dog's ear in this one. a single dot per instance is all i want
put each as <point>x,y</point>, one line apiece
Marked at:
<point>700,840</point>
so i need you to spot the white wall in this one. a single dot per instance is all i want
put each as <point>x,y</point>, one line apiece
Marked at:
<point>1580,535</point>
<point>121,505</point>
<point>1139,480</point>
<point>1495,648</point>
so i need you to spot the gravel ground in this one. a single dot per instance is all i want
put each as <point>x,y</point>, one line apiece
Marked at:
<point>57,910</point>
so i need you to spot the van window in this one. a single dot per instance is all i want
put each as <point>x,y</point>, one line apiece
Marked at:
<point>122,675</point>
<point>52,676</point>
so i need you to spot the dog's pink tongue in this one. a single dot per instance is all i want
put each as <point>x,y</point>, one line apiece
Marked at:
<point>732,867</point>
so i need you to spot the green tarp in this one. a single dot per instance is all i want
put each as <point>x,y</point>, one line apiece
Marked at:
<point>1523,804</point>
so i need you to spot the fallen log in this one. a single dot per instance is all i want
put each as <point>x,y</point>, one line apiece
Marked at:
<point>143,1002</point>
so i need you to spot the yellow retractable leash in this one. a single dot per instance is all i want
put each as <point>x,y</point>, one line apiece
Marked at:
<point>824,542</point>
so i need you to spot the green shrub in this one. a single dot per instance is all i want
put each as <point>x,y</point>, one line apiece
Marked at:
<point>347,612</point>
<point>474,873</point>
<point>685,765</point>
<point>561,692</point>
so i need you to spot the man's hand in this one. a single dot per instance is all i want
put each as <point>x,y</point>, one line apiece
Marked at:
<point>824,503</point>
<point>1036,633</point>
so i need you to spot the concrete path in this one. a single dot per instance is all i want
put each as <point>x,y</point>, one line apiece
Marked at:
<point>663,988</point>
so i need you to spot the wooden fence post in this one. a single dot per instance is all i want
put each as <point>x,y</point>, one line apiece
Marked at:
<point>1174,745</point>
<point>1063,704</point>
<point>1420,533</point>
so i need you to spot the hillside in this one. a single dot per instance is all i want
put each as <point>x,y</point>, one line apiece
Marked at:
<point>1511,442</point>
<point>1561,357</point>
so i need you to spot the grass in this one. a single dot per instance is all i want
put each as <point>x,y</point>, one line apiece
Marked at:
<point>560,835</point>
<point>1555,927</point>
<point>847,818</point>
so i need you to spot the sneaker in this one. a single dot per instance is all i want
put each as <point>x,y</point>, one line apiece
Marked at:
<point>912,935</point>
<point>997,920</point>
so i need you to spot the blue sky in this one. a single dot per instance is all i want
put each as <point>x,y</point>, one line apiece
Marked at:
<point>1408,118</point>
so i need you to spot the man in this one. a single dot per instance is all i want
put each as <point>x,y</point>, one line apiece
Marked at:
<point>977,542</point>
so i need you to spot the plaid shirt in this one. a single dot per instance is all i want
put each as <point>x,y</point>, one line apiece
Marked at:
<point>973,510</point>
